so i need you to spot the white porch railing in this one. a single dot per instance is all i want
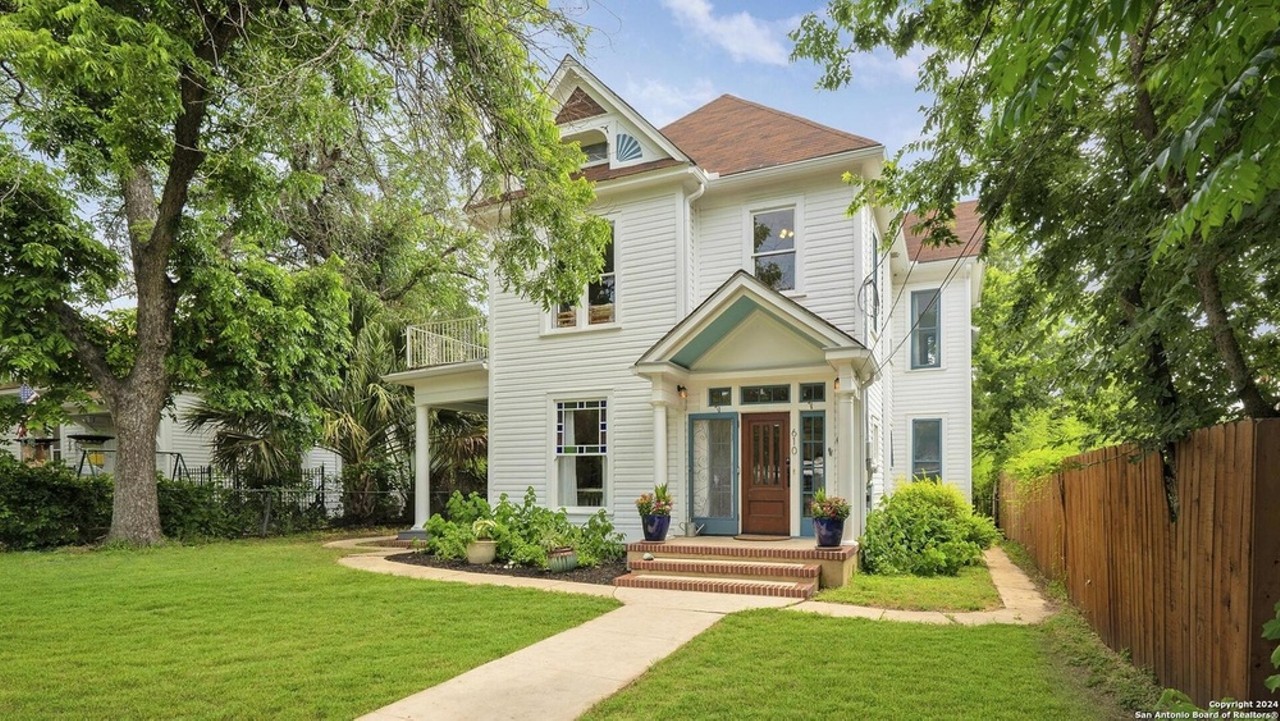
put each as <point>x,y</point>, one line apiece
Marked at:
<point>446,341</point>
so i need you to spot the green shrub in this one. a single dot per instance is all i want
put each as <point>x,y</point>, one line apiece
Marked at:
<point>925,529</point>
<point>522,531</point>
<point>49,505</point>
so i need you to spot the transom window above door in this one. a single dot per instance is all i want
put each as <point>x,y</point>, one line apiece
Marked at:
<point>773,247</point>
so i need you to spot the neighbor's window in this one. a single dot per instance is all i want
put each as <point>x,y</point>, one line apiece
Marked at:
<point>926,447</point>
<point>600,300</point>
<point>720,397</point>
<point>926,348</point>
<point>773,247</point>
<point>766,394</point>
<point>582,459</point>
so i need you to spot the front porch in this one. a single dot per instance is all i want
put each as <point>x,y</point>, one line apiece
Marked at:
<point>788,567</point>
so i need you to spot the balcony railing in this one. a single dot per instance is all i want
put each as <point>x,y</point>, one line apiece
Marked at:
<point>447,341</point>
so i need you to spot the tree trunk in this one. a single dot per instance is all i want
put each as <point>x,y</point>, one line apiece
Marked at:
<point>1224,339</point>
<point>135,513</point>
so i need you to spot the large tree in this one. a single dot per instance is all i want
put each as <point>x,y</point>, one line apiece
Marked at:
<point>166,149</point>
<point>1131,149</point>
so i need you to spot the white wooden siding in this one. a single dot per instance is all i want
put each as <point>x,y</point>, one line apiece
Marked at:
<point>827,236</point>
<point>530,369</point>
<point>945,392</point>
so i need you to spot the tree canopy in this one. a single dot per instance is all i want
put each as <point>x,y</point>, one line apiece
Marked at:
<point>208,166</point>
<point>1128,149</point>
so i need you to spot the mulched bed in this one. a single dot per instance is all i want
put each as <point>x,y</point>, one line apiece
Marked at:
<point>602,574</point>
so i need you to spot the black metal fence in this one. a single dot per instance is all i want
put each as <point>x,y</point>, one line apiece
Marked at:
<point>314,498</point>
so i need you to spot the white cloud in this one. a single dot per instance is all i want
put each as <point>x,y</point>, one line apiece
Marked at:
<point>745,37</point>
<point>660,103</point>
<point>880,68</point>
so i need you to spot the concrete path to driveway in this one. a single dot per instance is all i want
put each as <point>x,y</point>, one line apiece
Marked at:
<point>563,676</point>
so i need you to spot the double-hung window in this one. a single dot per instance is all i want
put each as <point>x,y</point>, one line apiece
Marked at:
<point>582,451</point>
<point>926,447</point>
<point>926,337</point>
<point>599,300</point>
<point>773,247</point>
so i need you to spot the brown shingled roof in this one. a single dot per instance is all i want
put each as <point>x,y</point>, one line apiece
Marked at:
<point>602,172</point>
<point>968,225</point>
<point>731,135</point>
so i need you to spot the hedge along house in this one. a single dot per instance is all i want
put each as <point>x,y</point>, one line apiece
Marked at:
<point>739,345</point>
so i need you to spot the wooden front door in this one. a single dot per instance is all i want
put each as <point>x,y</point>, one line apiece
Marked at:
<point>766,473</point>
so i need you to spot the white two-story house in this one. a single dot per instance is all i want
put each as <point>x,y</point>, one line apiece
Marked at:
<point>749,342</point>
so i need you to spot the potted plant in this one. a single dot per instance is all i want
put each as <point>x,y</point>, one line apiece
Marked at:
<point>829,514</point>
<point>482,549</point>
<point>655,513</point>
<point>561,555</point>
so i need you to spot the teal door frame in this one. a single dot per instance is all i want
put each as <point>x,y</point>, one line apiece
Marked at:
<point>717,526</point>
<point>806,521</point>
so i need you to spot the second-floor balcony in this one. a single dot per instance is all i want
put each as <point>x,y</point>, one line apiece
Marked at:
<point>445,342</point>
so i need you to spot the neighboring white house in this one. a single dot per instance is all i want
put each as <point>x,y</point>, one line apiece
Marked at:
<point>87,443</point>
<point>739,345</point>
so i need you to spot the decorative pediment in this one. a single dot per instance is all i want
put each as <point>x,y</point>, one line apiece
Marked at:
<point>607,128</point>
<point>579,106</point>
<point>746,325</point>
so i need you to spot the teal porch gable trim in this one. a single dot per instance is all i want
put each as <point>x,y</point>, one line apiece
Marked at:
<point>724,324</point>
<point>727,308</point>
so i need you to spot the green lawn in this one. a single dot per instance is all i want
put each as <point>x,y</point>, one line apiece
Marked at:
<point>775,664</point>
<point>972,590</point>
<point>271,629</point>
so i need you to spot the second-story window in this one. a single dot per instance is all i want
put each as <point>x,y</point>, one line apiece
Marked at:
<point>773,247</point>
<point>600,298</point>
<point>926,345</point>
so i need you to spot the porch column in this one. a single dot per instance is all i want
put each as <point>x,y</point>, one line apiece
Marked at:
<point>421,469</point>
<point>659,442</point>
<point>848,453</point>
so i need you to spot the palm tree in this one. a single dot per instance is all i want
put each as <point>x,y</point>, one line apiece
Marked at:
<point>262,448</point>
<point>368,423</point>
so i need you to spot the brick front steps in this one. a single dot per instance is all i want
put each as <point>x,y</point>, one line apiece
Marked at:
<point>794,570</point>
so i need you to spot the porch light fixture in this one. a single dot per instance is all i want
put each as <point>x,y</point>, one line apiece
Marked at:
<point>837,382</point>
<point>684,392</point>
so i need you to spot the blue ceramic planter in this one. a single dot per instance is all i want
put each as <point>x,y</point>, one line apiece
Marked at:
<point>828,530</point>
<point>655,528</point>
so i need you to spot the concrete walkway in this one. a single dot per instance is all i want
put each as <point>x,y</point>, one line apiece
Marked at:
<point>563,676</point>
<point>1023,603</point>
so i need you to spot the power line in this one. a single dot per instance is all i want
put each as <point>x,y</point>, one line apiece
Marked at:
<point>936,299</point>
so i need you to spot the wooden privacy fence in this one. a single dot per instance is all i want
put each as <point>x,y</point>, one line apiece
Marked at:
<point>1187,597</point>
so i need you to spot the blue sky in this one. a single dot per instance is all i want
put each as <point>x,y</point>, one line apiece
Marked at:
<point>667,57</point>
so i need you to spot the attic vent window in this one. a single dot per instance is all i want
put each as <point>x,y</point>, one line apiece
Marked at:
<point>628,148</point>
<point>596,153</point>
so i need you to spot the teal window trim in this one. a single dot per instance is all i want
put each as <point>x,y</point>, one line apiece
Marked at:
<point>785,388</point>
<point>718,526</point>
<point>925,466</point>
<point>922,300</point>
<point>812,447</point>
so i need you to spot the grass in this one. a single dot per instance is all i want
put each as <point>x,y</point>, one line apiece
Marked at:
<point>255,629</point>
<point>1080,652</point>
<point>972,590</point>
<point>775,664</point>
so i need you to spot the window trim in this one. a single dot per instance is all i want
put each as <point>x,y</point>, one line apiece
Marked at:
<point>914,328</point>
<point>942,444</point>
<point>582,320</point>
<point>553,491</point>
<point>750,211</point>
<point>742,397</point>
